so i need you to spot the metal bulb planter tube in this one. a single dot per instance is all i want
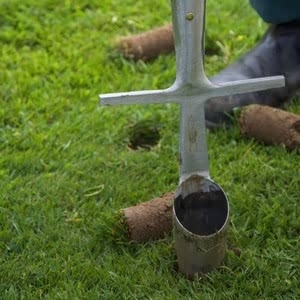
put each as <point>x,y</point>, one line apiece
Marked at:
<point>201,209</point>
<point>200,218</point>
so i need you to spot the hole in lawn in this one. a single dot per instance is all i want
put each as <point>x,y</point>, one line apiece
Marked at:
<point>144,134</point>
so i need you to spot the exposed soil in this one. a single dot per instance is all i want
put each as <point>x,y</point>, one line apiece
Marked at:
<point>148,45</point>
<point>149,220</point>
<point>202,213</point>
<point>271,125</point>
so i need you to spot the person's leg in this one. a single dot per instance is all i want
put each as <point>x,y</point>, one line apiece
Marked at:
<point>277,54</point>
<point>277,11</point>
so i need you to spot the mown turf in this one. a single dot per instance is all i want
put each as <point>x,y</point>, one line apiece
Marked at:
<point>66,168</point>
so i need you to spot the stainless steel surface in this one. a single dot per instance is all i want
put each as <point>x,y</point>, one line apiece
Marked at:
<point>198,246</point>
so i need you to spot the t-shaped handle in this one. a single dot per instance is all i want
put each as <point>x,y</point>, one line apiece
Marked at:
<point>191,87</point>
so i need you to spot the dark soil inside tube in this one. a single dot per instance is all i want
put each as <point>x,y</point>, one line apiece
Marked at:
<point>202,213</point>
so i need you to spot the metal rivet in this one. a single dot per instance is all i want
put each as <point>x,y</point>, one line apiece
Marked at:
<point>189,16</point>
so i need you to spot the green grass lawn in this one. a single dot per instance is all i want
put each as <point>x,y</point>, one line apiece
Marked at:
<point>66,168</point>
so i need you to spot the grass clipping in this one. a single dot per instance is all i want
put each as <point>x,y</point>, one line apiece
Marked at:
<point>270,125</point>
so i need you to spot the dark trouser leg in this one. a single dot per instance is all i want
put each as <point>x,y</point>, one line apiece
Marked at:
<point>277,54</point>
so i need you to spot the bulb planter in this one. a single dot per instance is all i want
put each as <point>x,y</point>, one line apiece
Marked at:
<point>201,208</point>
<point>200,222</point>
